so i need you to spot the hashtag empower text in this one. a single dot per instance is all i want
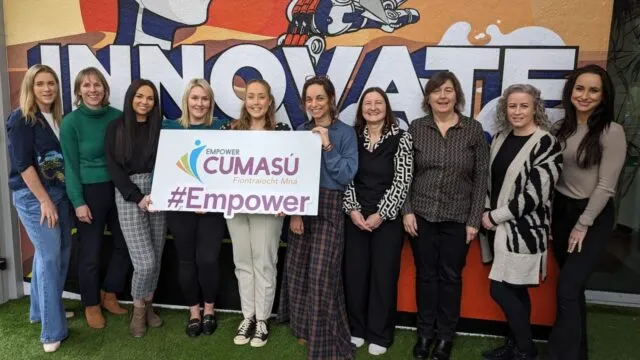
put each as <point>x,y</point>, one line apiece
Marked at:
<point>197,199</point>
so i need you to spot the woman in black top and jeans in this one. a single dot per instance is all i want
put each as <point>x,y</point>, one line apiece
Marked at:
<point>444,207</point>
<point>374,232</point>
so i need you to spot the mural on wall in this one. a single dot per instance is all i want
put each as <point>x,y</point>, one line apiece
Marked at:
<point>394,44</point>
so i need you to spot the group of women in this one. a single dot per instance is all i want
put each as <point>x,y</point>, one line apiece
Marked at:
<point>440,182</point>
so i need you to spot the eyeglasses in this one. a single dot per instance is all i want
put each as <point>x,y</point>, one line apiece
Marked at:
<point>316,77</point>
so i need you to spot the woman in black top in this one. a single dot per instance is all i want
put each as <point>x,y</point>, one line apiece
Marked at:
<point>131,144</point>
<point>444,207</point>
<point>374,232</point>
<point>525,164</point>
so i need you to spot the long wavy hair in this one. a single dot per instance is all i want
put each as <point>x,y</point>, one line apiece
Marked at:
<point>389,119</point>
<point>590,149</point>
<point>126,130</point>
<point>540,117</point>
<point>329,89</point>
<point>83,74</point>
<point>244,121</point>
<point>28,104</point>
<point>184,118</point>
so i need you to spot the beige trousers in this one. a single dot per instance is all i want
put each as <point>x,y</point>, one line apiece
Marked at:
<point>255,239</point>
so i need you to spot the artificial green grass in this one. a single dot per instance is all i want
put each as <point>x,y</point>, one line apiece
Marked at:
<point>614,333</point>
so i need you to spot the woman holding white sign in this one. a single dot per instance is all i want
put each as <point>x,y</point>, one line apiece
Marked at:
<point>255,237</point>
<point>131,144</point>
<point>197,236</point>
<point>312,291</point>
<point>374,233</point>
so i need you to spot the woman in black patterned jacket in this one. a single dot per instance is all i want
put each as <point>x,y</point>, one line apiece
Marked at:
<point>526,161</point>
<point>374,231</point>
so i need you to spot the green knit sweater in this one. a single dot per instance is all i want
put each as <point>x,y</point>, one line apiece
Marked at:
<point>82,139</point>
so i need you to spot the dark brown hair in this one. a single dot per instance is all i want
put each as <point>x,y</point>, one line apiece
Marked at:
<point>389,119</point>
<point>590,148</point>
<point>438,79</point>
<point>329,89</point>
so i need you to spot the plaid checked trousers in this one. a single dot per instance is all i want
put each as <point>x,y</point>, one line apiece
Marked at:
<point>145,234</point>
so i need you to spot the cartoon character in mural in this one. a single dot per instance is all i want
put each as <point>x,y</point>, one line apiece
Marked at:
<point>156,21</point>
<point>311,21</point>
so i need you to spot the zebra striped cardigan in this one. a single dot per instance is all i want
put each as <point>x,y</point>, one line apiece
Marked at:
<point>522,216</point>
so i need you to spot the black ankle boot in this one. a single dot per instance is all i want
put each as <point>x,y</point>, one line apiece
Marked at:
<point>442,350</point>
<point>525,355</point>
<point>422,348</point>
<point>504,352</point>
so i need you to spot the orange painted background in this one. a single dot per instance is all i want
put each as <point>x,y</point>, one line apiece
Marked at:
<point>476,301</point>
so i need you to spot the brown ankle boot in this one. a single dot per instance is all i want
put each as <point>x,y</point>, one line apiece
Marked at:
<point>109,302</point>
<point>138,326</point>
<point>153,320</point>
<point>94,317</point>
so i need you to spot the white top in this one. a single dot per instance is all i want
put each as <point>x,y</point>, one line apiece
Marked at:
<point>52,124</point>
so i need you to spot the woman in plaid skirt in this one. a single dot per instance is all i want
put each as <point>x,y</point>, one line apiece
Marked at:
<point>313,294</point>
<point>131,144</point>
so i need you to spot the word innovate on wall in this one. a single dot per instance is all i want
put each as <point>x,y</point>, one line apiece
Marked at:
<point>401,73</point>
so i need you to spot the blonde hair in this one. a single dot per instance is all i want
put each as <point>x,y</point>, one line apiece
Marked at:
<point>540,117</point>
<point>28,104</point>
<point>244,122</point>
<point>77,85</point>
<point>184,118</point>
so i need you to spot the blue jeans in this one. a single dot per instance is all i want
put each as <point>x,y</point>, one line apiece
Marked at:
<point>50,261</point>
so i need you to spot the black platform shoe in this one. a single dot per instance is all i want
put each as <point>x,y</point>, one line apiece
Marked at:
<point>504,352</point>
<point>442,351</point>
<point>194,328</point>
<point>525,355</point>
<point>422,348</point>
<point>209,324</point>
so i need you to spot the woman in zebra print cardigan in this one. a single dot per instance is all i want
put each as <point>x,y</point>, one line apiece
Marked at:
<point>525,164</point>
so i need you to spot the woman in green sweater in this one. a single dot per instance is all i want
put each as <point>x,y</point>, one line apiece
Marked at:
<point>91,192</point>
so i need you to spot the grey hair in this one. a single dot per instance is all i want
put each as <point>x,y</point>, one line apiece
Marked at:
<point>540,117</point>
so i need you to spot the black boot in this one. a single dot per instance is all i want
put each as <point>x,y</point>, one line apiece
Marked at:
<point>525,355</point>
<point>442,350</point>
<point>504,352</point>
<point>422,348</point>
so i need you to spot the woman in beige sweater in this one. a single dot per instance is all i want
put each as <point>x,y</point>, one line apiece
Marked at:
<point>594,150</point>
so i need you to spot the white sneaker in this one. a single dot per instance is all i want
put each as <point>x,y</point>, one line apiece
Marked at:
<point>261,334</point>
<point>377,349</point>
<point>358,342</point>
<point>245,332</point>
<point>52,347</point>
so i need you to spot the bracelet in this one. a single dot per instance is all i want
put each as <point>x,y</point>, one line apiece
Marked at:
<point>328,147</point>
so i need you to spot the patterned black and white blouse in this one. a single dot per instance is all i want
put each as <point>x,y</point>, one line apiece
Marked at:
<point>384,174</point>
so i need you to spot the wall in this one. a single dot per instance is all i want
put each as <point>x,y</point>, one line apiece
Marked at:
<point>488,44</point>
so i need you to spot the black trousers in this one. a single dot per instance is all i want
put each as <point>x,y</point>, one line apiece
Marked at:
<point>515,303</point>
<point>439,252</point>
<point>100,198</point>
<point>197,238</point>
<point>371,270</point>
<point>568,339</point>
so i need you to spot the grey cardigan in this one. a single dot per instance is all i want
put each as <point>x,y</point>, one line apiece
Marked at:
<point>522,216</point>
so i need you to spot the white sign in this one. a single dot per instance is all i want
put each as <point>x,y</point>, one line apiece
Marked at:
<point>258,172</point>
